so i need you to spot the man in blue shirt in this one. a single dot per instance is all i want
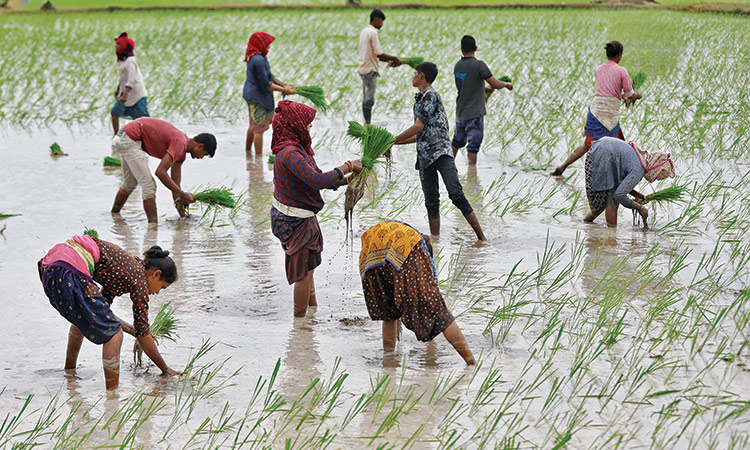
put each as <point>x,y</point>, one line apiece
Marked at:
<point>430,132</point>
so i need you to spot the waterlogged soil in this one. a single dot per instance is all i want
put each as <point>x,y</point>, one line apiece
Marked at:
<point>232,289</point>
<point>586,335</point>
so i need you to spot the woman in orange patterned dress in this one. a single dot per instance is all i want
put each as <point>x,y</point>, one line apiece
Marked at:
<point>400,283</point>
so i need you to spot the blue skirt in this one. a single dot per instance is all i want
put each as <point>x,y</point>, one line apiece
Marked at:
<point>140,109</point>
<point>80,302</point>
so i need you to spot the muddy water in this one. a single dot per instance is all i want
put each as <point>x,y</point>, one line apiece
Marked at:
<point>232,290</point>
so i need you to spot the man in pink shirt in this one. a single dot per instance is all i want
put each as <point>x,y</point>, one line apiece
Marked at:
<point>160,139</point>
<point>612,85</point>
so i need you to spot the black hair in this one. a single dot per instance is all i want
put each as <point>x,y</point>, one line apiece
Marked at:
<point>209,143</point>
<point>429,70</point>
<point>376,14</point>
<point>468,44</point>
<point>159,259</point>
<point>614,48</point>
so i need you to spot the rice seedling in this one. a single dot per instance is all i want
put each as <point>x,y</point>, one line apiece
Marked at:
<point>5,216</point>
<point>671,194</point>
<point>413,61</point>
<point>271,158</point>
<point>91,232</point>
<point>162,327</point>
<point>55,150</point>
<point>638,79</point>
<point>214,200</point>
<point>376,142</point>
<point>315,94</point>
<point>111,161</point>
<point>355,130</point>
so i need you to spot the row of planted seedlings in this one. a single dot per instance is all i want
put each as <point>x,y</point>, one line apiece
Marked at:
<point>658,336</point>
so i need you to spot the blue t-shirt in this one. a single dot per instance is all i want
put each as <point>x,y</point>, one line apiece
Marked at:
<point>257,81</point>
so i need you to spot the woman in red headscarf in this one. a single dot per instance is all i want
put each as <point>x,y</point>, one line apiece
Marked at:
<point>259,86</point>
<point>131,96</point>
<point>297,182</point>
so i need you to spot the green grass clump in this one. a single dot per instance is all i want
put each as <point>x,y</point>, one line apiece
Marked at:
<point>638,79</point>
<point>376,142</point>
<point>670,194</point>
<point>111,161</point>
<point>91,232</point>
<point>313,93</point>
<point>55,150</point>
<point>413,61</point>
<point>271,158</point>
<point>216,197</point>
<point>162,327</point>
<point>505,79</point>
<point>355,130</point>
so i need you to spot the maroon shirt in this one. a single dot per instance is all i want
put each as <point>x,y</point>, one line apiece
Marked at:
<point>119,273</point>
<point>158,137</point>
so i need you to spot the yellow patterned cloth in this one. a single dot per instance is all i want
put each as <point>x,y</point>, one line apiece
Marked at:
<point>387,242</point>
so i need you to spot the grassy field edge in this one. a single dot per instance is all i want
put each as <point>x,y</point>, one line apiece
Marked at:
<point>719,8</point>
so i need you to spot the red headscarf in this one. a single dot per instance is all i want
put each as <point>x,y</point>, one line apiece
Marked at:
<point>124,47</point>
<point>258,43</point>
<point>290,127</point>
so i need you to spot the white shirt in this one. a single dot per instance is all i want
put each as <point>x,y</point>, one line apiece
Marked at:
<point>130,76</point>
<point>369,49</point>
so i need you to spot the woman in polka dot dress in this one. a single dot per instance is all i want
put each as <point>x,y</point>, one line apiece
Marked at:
<point>69,272</point>
<point>400,282</point>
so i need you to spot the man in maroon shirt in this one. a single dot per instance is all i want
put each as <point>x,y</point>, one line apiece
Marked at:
<point>160,139</point>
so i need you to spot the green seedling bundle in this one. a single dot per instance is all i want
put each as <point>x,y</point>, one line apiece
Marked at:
<point>313,93</point>
<point>111,161</point>
<point>376,142</point>
<point>163,327</point>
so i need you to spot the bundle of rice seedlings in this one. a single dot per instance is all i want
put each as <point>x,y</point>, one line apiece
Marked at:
<point>413,61</point>
<point>671,194</point>
<point>5,216</point>
<point>111,161</point>
<point>355,130</point>
<point>91,232</point>
<point>314,94</point>
<point>162,327</point>
<point>271,158</point>
<point>55,150</point>
<point>376,142</point>
<point>505,79</point>
<point>215,197</point>
<point>638,79</point>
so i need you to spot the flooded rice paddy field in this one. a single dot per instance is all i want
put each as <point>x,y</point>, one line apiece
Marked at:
<point>587,337</point>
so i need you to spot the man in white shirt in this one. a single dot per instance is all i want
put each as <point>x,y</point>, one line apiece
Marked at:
<point>131,96</point>
<point>370,54</point>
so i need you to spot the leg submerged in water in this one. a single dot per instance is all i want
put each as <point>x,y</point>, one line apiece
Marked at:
<point>111,361</point>
<point>456,338</point>
<point>75,339</point>
<point>577,153</point>
<point>390,335</point>
<point>302,291</point>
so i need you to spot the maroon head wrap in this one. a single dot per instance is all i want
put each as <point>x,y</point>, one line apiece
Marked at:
<point>124,47</point>
<point>290,127</point>
<point>258,44</point>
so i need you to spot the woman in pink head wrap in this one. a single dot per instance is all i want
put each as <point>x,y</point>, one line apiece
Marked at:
<point>131,98</point>
<point>258,90</point>
<point>613,169</point>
